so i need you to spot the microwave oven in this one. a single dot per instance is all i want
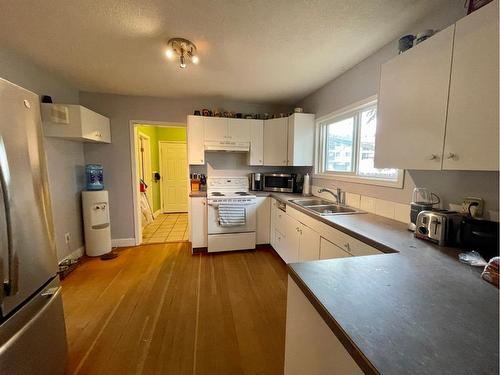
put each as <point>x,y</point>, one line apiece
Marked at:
<point>280,182</point>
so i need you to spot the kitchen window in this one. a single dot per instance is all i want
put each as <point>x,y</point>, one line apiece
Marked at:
<point>345,148</point>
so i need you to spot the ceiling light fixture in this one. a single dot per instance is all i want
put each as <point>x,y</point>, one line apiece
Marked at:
<point>184,49</point>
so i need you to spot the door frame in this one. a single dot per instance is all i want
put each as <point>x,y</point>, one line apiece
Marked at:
<point>133,124</point>
<point>148,138</point>
<point>162,198</point>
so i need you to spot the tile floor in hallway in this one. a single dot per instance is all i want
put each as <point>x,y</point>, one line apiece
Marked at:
<point>166,228</point>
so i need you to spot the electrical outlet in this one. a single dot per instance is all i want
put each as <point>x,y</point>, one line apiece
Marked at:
<point>477,206</point>
<point>67,237</point>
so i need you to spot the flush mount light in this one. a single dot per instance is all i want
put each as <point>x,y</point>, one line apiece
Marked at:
<point>184,50</point>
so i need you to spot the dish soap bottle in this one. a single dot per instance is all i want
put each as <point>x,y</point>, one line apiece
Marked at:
<point>306,189</point>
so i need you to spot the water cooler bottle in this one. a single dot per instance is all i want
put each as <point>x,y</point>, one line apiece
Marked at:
<point>95,206</point>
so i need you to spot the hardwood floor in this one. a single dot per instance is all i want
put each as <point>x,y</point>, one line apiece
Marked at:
<point>157,309</point>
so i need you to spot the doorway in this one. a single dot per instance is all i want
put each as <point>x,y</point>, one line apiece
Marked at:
<point>160,182</point>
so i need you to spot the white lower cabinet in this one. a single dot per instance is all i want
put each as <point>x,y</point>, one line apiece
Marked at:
<point>198,221</point>
<point>311,347</point>
<point>328,250</point>
<point>263,220</point>
<point>294,239</point>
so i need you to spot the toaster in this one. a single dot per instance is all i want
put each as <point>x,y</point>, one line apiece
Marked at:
<point>440,227</point>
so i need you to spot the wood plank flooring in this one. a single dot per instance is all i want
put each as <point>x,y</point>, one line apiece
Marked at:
<point>157,309</point>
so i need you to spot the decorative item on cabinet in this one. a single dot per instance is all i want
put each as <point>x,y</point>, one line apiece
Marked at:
<point>405,43</point>
<point>474,5</point>
<point>423,35</point>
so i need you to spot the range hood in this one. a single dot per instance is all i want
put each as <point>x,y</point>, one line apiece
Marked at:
<point>227,146</point>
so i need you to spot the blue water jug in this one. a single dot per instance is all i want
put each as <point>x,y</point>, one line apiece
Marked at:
<point>95,179</point>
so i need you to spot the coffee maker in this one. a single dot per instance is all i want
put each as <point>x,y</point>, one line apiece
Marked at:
<point>256,181</point>
<point>422,200</point>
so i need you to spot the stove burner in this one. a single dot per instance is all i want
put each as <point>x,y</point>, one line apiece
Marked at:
<point>241,193</point>
<point>217,194</point>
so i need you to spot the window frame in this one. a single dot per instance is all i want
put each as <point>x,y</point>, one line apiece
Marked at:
<point>353,110</point>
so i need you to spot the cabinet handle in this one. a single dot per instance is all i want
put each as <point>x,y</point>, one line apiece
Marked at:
<point>451,155</point>
<point>297,229</point>
<point>300,232</point>
<point>432,157</point>
<point>346,245</point>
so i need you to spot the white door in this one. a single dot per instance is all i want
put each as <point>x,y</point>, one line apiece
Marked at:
<point>292,239</point>
<point>257,143</point>
<point>472,128</point>
<point>412,102</point>
<point>195,139</point>
<point>174,177</point>
<point>263,220</point>
<point>275,141</point>
<point>144,167</point>
<point>309,244</point>
<point>239,130</point>
<point>216,128</point>
<point>329,250</point>
<point>198,222</point>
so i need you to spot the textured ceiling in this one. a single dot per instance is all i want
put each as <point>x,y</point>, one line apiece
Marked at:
<point>254,50</point>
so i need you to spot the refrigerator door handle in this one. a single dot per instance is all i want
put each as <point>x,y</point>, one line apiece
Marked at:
<point>10,286</point>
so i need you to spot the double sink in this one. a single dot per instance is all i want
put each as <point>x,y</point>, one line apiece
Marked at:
<point>323,207</point>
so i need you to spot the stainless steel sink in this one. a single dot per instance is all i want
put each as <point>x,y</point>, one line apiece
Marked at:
<point>311,202</point>
<point>332,209</point>
<point>323,207</point>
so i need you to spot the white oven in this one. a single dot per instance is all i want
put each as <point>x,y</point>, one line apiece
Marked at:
<point>215,226</point>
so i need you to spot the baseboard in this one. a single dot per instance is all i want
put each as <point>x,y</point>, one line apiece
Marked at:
<point>123,242</point>
<point>78,253</point>
<point>155,214</point>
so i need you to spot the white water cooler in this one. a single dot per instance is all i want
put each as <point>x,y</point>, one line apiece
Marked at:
<point>95,206</point>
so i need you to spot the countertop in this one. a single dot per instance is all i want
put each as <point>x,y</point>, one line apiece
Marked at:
<point>414,310</point>
<point>198,194</point>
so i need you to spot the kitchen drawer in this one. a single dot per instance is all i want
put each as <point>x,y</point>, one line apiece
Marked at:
<point>354,246</point>
<point>280,221</point>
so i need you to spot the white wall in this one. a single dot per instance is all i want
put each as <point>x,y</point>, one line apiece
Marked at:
<point>116,158</point>
<point>361,82</point>
<point>65,159</point>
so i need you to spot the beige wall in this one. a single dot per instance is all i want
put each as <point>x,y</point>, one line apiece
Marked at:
<point>65,159</point>
<point>115,157</point>
<point>361,82</point>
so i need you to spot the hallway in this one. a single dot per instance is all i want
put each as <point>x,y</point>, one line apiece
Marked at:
<point>166,228</point>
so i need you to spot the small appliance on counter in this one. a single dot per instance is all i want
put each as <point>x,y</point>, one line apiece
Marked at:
<point>198,182</point>
<point>256,180</point>
<point>438,226</point>
<point>422,200</point>
<point>479,235</point>
<point>280,182</point>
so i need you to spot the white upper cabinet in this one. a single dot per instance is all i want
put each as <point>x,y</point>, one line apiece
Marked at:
<point>239,129</point>
<point>74,122</point>
<point>216,128</point>
<point>472,129</point>
<point>412,105</point>
<point>276,142</point>
<point>439,102</point>
<point>300,139</point>
<point>195,140</point>
<point>256,155</point>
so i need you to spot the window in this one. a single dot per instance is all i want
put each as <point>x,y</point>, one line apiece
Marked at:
<point>346,147</point>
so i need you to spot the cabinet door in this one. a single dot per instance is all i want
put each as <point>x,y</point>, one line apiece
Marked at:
<point>472,129</point>
<point>256,143</point>
<point>300,139</point>
<point>198,222</point>
<point>275,141</point>
<point>239,130</point>
<point>280,245</point>
<point>329,250</point>
<point>195,140</point>
<point>273,223</point>
<point>292,239</point>
<point>412,102</point>
<point>216,128</point>
<point>309,244</point>
<point>95,127</point>
<point>263,220</point>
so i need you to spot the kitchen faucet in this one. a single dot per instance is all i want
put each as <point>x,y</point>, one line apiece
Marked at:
<point>339,195</point>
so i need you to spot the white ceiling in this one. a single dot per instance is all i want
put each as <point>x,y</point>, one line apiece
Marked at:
<point>253,50</point>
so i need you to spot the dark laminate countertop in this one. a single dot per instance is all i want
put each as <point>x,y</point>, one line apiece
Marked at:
<point>415,311</point>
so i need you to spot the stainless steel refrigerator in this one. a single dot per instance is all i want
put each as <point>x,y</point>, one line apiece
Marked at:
<point>32,330</point>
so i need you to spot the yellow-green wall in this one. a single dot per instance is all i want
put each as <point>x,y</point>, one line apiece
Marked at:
<point>157,134</point>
